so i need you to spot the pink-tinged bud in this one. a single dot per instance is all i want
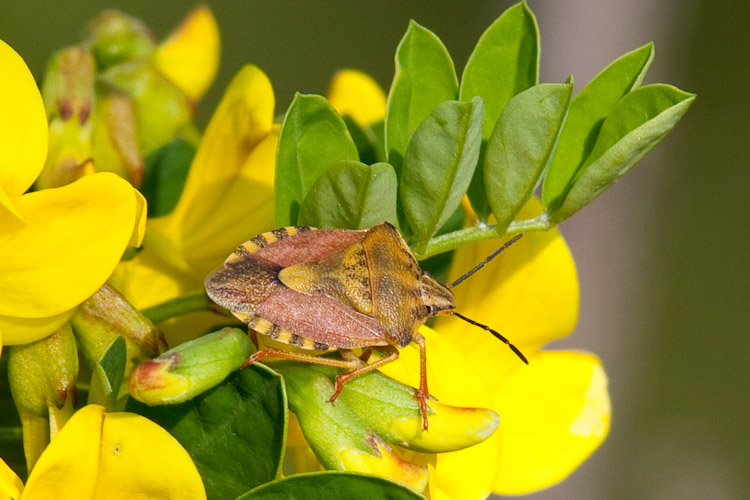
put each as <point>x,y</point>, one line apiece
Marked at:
<point>190,368</point>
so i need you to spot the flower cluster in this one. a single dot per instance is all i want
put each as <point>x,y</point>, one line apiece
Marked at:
<point>114,209</point>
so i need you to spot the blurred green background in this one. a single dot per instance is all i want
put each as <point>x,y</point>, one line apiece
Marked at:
<point>662,257</point>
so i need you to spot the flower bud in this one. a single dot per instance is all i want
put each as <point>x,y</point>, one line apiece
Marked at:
<point>68,92</point>
<point>163,109</point>
<point>115,137</point>
<point>42,378</point>
<point>68,87</point>
<point>338,437</point>
<point>391,409</point>
<point>190,368</point>
<point>114,37</point>
<point>107,315</point>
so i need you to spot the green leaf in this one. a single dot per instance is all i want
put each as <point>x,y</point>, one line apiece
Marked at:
<point>166,170</point>
<point>352,195</point>
<point>520,147</point>
<point>369,146</point>
<point>313,137</point>
<point>235,432</point>
<point>637,123</point>
<point>504,62</point>
<point>332,485</point>
<point>111,367</point>
<point>424,77</point>
<point>585,117</point>
<point>438,165</point>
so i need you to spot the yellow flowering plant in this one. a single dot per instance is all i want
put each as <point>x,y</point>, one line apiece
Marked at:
<point>457,165</point>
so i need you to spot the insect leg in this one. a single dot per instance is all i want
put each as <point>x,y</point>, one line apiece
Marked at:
<point>365,356</point>
<point>345,377</point>
<point>423,393</point>
<point>296,356</point>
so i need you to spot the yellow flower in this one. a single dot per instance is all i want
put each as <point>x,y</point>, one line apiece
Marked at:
<point>356,94</point>
<point>57,246</point>
<point>553,412</point>
<point>108,455</point>
<point>228,195</point>
<point>189,57</point>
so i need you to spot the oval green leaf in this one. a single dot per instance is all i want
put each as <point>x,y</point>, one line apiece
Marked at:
<point>235,433</point>
<point>504,62</point>
<point>439,164</point>
<point>521,145</point>
<point>313,137</point>
<point>332,485</point>
<point>637,123</point>
<point>352,195</point>
<point>424,77</point>
<point>587,113</point>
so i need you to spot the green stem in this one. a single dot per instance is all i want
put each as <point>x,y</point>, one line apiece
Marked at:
<point>193,302</point>
<point>451,241</point>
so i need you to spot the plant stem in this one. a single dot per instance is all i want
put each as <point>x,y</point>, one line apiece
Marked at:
<point>456,239</point>
<point>193,302</point>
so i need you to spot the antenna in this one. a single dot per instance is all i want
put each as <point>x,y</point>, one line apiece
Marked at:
<point>493,332</point>
<point>484,263</point>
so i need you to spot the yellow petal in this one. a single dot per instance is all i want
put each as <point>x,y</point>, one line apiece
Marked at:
<point>469,473</point>
<point>226,213</point>
<point>146,280</point>
<point>23,125</point>
<point>529,294</point>
<point>139,228</point>
<point>10,218</point>
<point>189,57</point>
<point>554,413</point>
<point>10,484</point>
<point>69,466</point>
<point>25,330</point>
<point>116,456</point>
<point>356,94</point>
<point>74,237</point>
<point>231,178</point>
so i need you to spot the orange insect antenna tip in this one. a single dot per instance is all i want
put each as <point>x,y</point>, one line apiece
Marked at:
<point>496,335</point>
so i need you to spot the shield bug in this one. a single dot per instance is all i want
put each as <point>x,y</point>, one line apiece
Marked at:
<point>327,289</point>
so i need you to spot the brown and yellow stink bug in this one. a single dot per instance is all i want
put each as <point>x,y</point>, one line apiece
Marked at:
<point>325,289</point>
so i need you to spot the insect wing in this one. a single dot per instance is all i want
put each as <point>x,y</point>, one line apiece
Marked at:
<point>287,246</point>
<point>321,319</point>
